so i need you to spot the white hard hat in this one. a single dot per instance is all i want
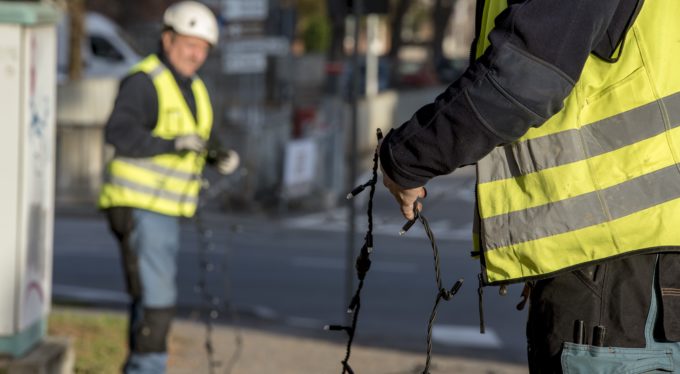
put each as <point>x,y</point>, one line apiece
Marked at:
<point>192,18</point>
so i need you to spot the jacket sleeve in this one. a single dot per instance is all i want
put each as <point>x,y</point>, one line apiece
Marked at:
<point>537,52</point>
<point>134,116</point>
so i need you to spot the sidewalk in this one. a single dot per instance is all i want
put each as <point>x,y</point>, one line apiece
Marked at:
<point>264,353</point>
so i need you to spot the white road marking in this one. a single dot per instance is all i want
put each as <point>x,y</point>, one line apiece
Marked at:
<point>304,322</point>
<point>334,222</point>
<point>465,336</point>
<point>264,312</point>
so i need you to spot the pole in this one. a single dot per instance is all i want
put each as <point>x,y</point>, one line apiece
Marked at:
<point>351,215</point>
<point>372,28</point>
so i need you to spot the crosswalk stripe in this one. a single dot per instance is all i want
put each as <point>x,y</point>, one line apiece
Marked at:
<point>465,336</point>
<point>333,222</point>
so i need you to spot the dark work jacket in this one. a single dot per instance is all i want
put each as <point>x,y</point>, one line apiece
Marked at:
<point>447,134</point>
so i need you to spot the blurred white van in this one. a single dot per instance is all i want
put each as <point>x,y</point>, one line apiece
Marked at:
<point>107,51</point>
<point>83,105</point>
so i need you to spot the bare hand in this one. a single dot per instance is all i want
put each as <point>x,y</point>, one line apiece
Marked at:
<point>405,197</point>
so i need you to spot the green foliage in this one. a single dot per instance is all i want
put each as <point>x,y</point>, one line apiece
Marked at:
<point>415,19</point>
<point>307,8</point>
<point>317,34</point>
<point>313,25</point>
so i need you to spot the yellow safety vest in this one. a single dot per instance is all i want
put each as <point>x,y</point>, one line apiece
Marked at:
<point>601,178</point>
<point>168,183</point>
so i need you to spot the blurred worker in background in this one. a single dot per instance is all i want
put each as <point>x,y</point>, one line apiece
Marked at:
<point>160,128</point>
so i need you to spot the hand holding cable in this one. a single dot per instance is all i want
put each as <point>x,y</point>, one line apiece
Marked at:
<point>407,198</point>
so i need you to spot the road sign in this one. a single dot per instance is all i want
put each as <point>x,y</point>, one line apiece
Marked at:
<point>245,9</point>
<point>271,45</point>
<point>249,55</point>
<point>299,167</point>
<point>244,63</point>
<point>240,29</point>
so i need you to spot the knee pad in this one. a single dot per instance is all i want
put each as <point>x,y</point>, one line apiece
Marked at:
<point>151,334</point>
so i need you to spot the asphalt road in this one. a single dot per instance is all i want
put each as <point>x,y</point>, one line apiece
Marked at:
<point>290,273</point>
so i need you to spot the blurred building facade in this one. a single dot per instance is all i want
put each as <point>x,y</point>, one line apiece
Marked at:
<point>272,105</point>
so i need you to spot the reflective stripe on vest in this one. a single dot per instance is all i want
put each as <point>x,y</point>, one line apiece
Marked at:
<point>168,183</point>
<point>599,179</point>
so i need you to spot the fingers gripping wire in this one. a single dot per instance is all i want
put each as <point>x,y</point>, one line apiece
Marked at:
<point>363,261</point>
<point>442,293</point>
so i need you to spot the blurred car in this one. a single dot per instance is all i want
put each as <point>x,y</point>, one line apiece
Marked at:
<point>106,50</point>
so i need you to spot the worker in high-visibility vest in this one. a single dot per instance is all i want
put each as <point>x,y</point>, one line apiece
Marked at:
<point>160,127</point>
<point>571,112</point>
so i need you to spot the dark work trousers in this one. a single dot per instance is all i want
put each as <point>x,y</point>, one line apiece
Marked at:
<point>149,243</point>
<point>635,299</point>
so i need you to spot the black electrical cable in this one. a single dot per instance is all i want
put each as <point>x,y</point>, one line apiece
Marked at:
<point>210,301</point>
<point>363,264</point>
<point>442,293</point>
<point>363,261</point>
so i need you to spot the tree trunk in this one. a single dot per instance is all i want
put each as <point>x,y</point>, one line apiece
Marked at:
<point>76,11</point>
<point>441,14</point>
<point>337,11</point>
<point>400,9</point>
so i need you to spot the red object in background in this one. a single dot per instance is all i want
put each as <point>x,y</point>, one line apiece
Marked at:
<point>334,67</point>
<point>303,117</point>
<point>423,77</point>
